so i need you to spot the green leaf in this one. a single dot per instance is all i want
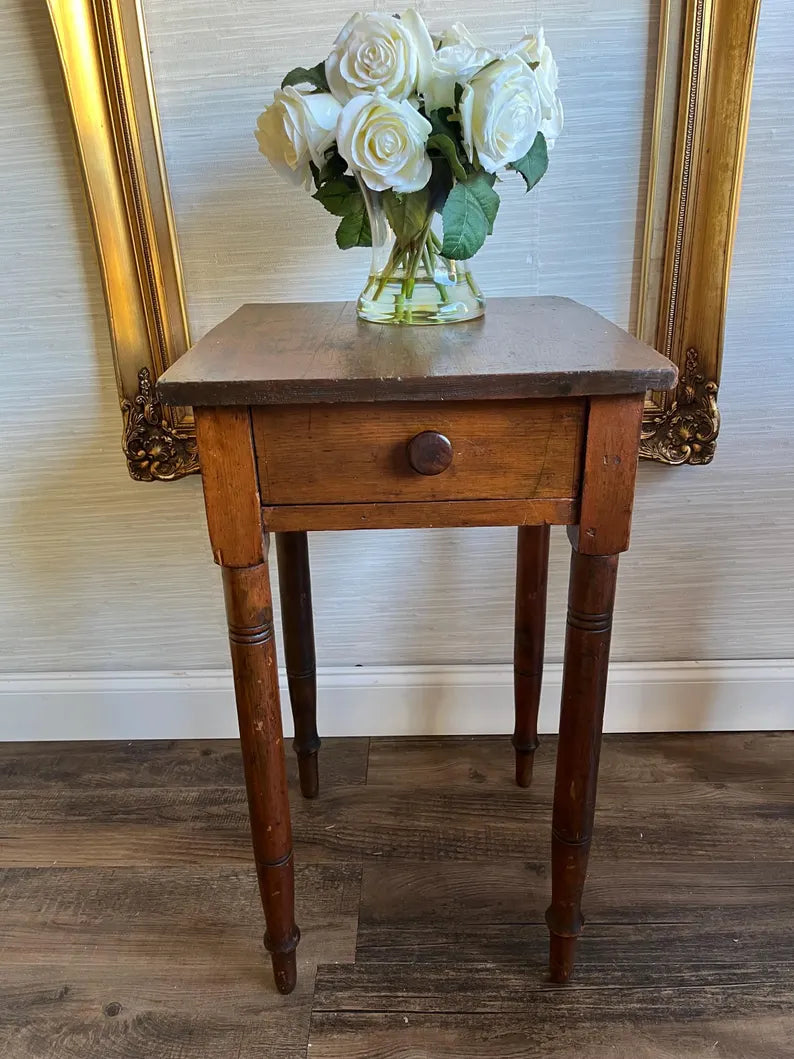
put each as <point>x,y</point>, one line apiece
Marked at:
<point>354,230</point>
<point>458,93</point>
<point>442,125</point>
<point>408,214</point>
<point>333,167</point>
<point>314,77</point>
<point>534,163</point>
<point>465,224</point>
<point>440,183</point>
<point>481,187</point>
<point>339,197</point>
<point>445,145</point>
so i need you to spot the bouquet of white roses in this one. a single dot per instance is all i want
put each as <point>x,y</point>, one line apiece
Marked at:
<point>397,125</point>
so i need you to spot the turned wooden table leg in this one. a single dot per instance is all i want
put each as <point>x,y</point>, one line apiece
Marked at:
<point>295,589</point>
<point>530,632</point>
<point>240,546</point>
<point>610,466</point>
<point>590,603</point>
<point>250,617</point>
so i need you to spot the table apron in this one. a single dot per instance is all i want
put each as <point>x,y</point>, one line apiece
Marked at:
<point>561,511</point>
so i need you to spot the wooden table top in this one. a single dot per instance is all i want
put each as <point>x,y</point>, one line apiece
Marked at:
<point>294,353</point>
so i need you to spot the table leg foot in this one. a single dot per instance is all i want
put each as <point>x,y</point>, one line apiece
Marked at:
<point>309,775</point>
<point>285,967</point>
<point>562,953</point>
<point>524,763</point>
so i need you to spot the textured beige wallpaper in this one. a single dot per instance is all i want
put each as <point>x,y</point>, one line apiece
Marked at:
<point>97,572</point>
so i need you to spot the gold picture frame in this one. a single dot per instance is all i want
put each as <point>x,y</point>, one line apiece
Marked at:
<point>702,100</point>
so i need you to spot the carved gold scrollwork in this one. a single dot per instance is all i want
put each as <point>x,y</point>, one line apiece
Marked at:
<point>686,432</point>
<point>155,453</point>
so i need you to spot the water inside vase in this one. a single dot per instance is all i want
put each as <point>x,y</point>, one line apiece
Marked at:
<point>430,299</point>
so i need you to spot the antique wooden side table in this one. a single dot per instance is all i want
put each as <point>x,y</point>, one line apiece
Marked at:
<point>308,419</point>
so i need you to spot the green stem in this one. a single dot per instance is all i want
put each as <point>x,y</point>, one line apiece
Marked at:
<point>430,265</point>
<point>421,250</point>
<point>410,276</point>
<point>366,290</point>
<point>413,268</point>
<point>391,266</point>
<point>436,242</point>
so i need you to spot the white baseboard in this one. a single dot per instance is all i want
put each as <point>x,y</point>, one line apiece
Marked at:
<point>396,700</point>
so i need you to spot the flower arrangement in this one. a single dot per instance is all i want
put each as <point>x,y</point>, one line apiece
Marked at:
<point>402,137</point>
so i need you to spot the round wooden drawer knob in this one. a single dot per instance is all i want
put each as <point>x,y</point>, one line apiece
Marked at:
<point>429,452</point>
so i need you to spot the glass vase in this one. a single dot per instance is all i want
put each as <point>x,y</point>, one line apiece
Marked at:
<point>410,281</point>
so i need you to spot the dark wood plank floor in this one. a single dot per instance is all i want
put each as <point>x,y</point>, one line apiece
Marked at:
<point>130,924</point>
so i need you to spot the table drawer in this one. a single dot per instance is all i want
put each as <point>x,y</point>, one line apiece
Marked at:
<point>336,454</point>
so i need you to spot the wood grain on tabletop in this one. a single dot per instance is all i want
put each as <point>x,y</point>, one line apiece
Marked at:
<point>291,353</point>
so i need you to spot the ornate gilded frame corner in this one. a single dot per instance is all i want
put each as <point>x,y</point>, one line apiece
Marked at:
<point>702,99</point>
<point>105,64</point>
<point>692,206</point>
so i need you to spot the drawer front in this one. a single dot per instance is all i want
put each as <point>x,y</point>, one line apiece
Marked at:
<point>336,454</point>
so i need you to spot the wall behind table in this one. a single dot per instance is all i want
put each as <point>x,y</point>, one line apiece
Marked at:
<point>99,573</point>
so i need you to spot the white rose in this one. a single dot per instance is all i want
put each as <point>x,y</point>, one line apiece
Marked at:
<point>457,33</point>
<point>530,47</point>
<point>380,51</point>
<point>552,122</point>
<point>384,140</point>
<point>500,113</point>
<point>295,129</point>
<point>457,60</point>
<point>535,51</point>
